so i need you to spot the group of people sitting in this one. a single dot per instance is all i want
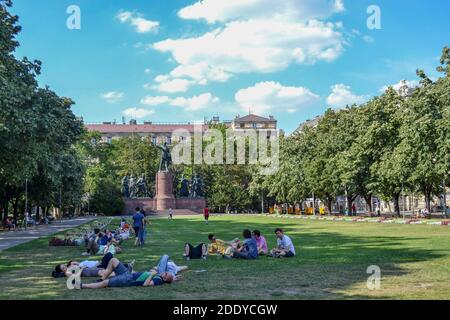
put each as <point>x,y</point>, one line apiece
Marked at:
<point>254,245</point>
<point>105,242</point>
<point>112,273</point>
<point>10,223</point>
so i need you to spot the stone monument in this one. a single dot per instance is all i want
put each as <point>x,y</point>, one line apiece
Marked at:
<point>164,182</point>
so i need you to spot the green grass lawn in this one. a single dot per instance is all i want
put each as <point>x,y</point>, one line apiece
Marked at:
<point>331,263</point>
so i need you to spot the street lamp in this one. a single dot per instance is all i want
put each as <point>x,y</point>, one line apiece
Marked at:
<point>444,199</point>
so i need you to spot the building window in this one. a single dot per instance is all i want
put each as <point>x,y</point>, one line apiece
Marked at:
<point>169,140</point>
<point>109,139</point>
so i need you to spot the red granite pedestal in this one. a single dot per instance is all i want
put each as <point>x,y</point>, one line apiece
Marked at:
<point>164,192</point>
<point>165,199</point>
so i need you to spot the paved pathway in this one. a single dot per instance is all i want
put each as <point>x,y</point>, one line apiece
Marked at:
<point>13,238</point>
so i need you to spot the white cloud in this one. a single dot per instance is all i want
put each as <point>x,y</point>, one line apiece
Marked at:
<point>140,24</point>
<point>260,36</point>
<point>112,96</point>
<point>272,96</point>
<point>261,46</point>
<point>293,10</point>
<point>194,103</point>
<point>148,70</point>
<point>155,101</point>
<point>341,96</point>
<point>169,85</point>
<point>137,113</point>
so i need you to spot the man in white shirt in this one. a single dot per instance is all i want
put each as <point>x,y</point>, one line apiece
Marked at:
<point>285,247</point>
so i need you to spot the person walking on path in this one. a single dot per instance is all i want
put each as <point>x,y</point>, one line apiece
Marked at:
<point>170,214</point>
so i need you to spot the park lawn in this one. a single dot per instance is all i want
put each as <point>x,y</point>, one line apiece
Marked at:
<point>331,262</point>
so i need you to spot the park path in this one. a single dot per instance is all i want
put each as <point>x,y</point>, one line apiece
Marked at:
<point>14,238</point>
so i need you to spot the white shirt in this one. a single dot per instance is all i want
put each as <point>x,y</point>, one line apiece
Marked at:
<point>286,243</point>
<point>88,264</point>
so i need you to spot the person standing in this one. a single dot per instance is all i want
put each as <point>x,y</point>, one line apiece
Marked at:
<point>138,225</point>
<point>170,214</point>
<point>206,214</point>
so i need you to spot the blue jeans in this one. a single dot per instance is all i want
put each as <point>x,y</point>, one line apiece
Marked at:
<point>162,264</point>
<point>142,235</point>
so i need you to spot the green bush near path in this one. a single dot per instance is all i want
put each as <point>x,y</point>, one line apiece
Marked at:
<point>331,263</point>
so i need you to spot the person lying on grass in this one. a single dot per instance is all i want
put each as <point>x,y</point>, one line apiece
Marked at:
<point>88,268</point>
<point>249,250</point>
<point>125,277</point>
<point>285,247</point>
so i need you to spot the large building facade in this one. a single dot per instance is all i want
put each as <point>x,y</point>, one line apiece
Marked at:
<point>159,133</point>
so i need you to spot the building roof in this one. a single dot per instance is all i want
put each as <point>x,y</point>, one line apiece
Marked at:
<point>254,118</point>
<point>143,128</point>
<point>309,123</point>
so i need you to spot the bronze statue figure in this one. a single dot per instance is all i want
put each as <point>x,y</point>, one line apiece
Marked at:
<point>166,158</point>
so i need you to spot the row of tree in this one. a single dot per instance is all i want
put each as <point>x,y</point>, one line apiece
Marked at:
<point>38,132</point>
<point>399,141</point>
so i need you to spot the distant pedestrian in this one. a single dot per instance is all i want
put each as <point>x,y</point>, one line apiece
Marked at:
<point>138,225</point>
<point>170,214</point>
<point>206,214</point>
<point>353,210</point>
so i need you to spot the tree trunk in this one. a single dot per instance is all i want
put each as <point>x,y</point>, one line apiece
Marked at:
<point>330,205</point>
<point>38,213</point>
<point>6,208</point>
<point>16,207</point>
<point>397,204</point>
<point>369,203</point>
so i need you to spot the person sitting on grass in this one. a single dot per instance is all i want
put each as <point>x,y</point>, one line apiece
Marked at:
<point>125,277</point>
<point>198,252</point>
<point>216,245</point>
<point>249,250</point>
<point>285,247</point>
<point>260,242</point>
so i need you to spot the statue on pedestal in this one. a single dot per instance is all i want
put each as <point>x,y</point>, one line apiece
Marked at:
<point>166,157</point>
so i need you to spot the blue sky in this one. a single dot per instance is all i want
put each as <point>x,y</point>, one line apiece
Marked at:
<point>176,61</point>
